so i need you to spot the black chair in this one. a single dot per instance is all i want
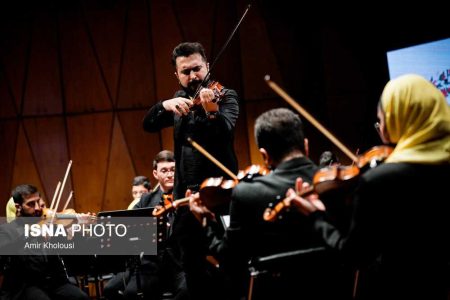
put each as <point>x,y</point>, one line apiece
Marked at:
<point>307,274</point>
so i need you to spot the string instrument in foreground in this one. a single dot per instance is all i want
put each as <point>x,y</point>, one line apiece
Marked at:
<point>332,177</point>
<point>215,191</point>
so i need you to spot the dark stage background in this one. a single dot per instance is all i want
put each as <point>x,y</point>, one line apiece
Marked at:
<point>76,78</point>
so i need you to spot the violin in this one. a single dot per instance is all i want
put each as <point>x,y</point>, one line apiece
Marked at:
<point>210,107</point>
<point>374,156</point>
<point>214,191</point>
<point>324,180</point>
<point>334,177</point>
<point>65,217</point>
<point>216,87</point>
<point>169,205</point>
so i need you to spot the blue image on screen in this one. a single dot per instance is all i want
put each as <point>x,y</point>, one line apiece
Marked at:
<point>431,60</point>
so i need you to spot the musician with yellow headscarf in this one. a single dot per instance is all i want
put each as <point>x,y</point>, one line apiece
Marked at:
<point>400,220</point>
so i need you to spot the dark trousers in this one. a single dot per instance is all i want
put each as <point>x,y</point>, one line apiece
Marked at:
<point>148,281</point>
<point>64,291</point>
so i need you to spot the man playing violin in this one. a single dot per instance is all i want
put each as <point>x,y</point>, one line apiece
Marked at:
<point>195,112</point>
<point>280,139</point>
<point>159,273</point>
<point>400,216</point>
<point>32,276</point>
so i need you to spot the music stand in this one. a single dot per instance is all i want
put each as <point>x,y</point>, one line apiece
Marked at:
<point>138,212</point>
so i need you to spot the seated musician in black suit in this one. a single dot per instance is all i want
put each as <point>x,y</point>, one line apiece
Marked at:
<point>32,276</point>
<point>141,185</point>
<point>152,275</point>
<point>280,139</point>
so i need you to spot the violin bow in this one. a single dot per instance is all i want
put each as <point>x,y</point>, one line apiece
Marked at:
<point>62,188</point>
<point>68,200</point>
<point>310,118</point>
<point>55,194</point>
<point>185,201</point>
<point>206,78</point>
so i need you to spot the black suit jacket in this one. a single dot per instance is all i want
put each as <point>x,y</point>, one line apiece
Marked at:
<point>25,270</point>
<point>215,135</point>
<point>192,168</point>
<point>249,236</point>
<point>400,222</point>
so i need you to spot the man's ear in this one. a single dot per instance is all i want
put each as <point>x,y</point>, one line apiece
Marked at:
<point>266,157</point>
<point>155,174</point>
<point>306,144</point>
<point>176,75</point>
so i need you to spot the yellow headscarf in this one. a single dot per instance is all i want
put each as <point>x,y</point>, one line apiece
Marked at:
<point>10,210</point>
<point>417,119</point>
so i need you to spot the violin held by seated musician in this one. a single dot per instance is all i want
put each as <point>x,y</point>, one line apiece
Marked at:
<point>334,177</point>
<point>214,191</point>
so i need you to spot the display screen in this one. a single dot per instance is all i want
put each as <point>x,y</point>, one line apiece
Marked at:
<point>431,60</point>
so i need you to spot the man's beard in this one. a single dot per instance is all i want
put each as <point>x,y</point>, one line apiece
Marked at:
<point>193,86</point>
<point>36,214</point>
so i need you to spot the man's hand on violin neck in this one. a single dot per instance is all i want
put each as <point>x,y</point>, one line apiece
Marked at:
<point>179,106</point>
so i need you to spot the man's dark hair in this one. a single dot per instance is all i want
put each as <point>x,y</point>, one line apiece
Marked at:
<point>21,191</point>
<point>279,131</point>
<point>163,156</point>
<point>142,180</point>
<point>186,49</point>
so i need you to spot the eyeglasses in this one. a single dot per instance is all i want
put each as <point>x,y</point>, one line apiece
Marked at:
<point>377,127</point>
<point>166,172</point>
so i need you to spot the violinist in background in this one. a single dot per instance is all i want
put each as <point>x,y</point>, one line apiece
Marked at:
<point>400,215</point>
<point>141,185</point>
<point>164,173</point>
<point>327,159</point>
<point>280,139</point>
<point>209,119</point>
<point>11,210</point>
<point>156,274</point>
<point>37,277</point>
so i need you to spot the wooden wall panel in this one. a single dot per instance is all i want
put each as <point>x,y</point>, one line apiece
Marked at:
<point>120,172</point>
<point>85,89</point>
<point>8,138</point>
<point>7,103</point>
<point>196,21</point>
<point>136,81</point>
<point>165,36</point>
<point>227,69</point>
<point>89,143</point>
<point>142,146</point>
<point>43,86</point>
<point>106,26</point>
<point>25,169</point>
<point>254,109</point>
<point>14,47</point>
<point>241,139</point>
<point>256,64</point>
<point>48,143</point>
